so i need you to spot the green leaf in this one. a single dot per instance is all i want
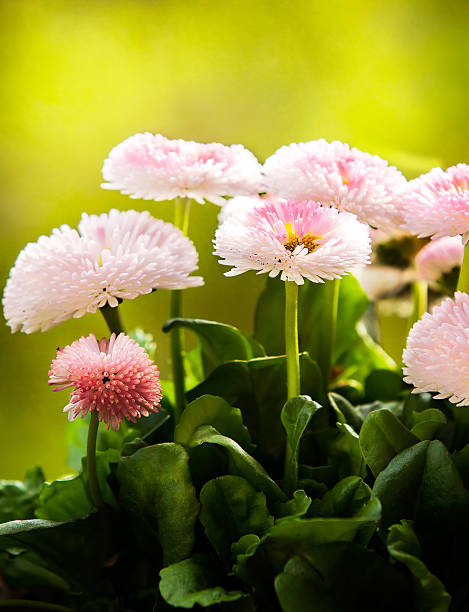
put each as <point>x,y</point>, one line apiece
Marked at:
<point>344,452</point>
<point>363,357</point>
<point>18,500</point>
<point>430,593</point>
<point>382,437</point>
<point>293,508</point>
<point>258,388</point>
<point>428,423</point>
<point>25,571</point>
<point>341,576</point>
<point>421,483</point>
<point>244,465</point>
<point>220,343</point>
<point>156,487</point>
<point>66,548</point>
<point>297,536</point>
<point>461,461</point>
<point>69,498</point>
<point>230,508</point>
<point>345,499</point>
<point>215,411</point>
<point>383,385</point>
<point>295,416</point>
<point>195,581</point>
<point>13,528</point>
<point>64,499</point>
<point>352,415</point>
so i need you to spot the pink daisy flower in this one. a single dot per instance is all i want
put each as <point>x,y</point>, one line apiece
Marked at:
<point>437,352</point>
<point>334,174</point>
<point>439,257</point>
<point>152,167</point>
<point>437,203</point>
<point>116,256</point>
<point>295,239</point>
<point>116,377</point>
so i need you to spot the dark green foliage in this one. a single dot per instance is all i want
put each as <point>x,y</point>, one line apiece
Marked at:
<point>351,496</point>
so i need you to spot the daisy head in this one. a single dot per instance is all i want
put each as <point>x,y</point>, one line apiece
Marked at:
<point>152,167</point>
<point>112,257</point>
<point>116,377</point>
<point>337,175</point>
<point>297,240</point>
<point>437,203</point>
<point>440,260</point>
<point>437,354</point>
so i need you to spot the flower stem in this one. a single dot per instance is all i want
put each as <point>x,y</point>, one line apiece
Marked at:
<point>327,329</point>
<point>112,316</point>
<point>291,339</point>
<point>91,460</point>
<point>28,603</point>
<point>177,358</point>
<point>181,220</point>
<point>463,281</point>
<point>113,319</point>
<point>419,301</point>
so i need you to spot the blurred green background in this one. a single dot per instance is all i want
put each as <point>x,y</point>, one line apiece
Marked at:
<point>78,77</point>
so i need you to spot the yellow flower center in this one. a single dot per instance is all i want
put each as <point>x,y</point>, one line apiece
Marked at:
<point>309,241</point>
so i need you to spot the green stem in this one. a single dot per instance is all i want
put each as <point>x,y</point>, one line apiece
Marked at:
<point>326,332</point>
<point>176,341</point>
<point>91,460</point>
<point>419,301</point>
<point>112,316</point>
<point>181,220</point>
<point>27,603</point>
<point>291,340</point>
<point>114,322</point>
<point>463,281</point>
<point>182,207</point>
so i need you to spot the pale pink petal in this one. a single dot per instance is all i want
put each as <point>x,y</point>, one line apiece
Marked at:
<point>437,354</point>
<point>437,203</point>
<point>337,175</point>
<point>152,167</point>
<point>439,257</point>
<point>119,255</point>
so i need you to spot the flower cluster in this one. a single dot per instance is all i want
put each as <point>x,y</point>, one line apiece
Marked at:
<point>116,377</point>
<point>312,222</point>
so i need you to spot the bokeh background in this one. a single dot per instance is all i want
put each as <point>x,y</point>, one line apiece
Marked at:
<point>79,76</point>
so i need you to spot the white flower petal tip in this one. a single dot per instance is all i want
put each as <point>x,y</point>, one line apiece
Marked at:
<point>334,174</point>
<point>116,256</point>
<point>152,167</point>
<point>436,357</point>
<point>297,240</point>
